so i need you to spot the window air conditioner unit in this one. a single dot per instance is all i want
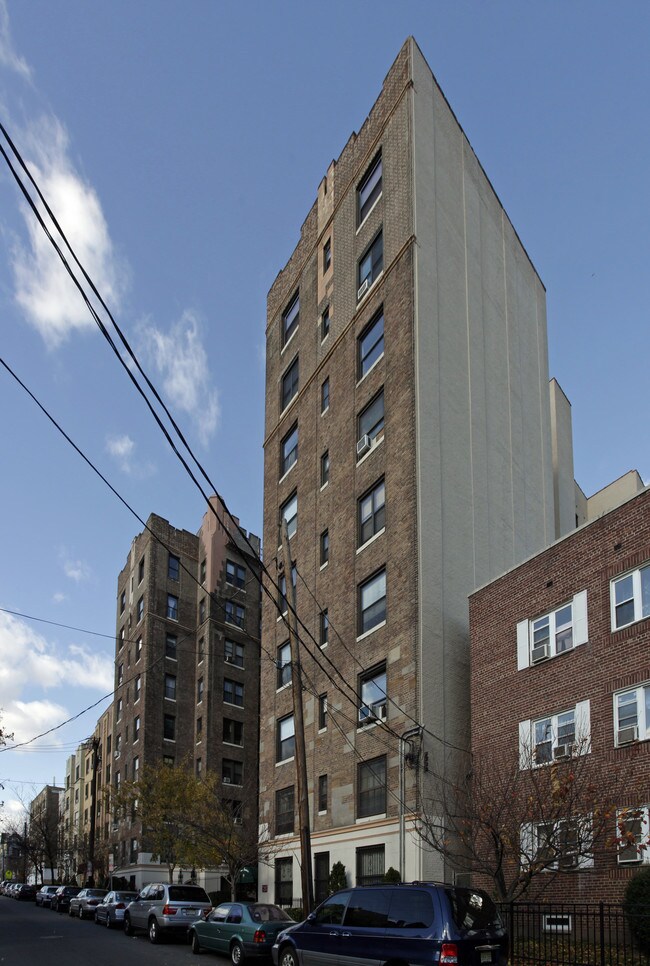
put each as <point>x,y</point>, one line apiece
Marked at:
<point>229,659</point>
<point>563,751</point>
<point>363,445</point>
<point>362,289</point>
<point>116,754</point>
<point>626,735</point>
<point>226,780</point>
<point>541,653</point>
<point>237,820</point>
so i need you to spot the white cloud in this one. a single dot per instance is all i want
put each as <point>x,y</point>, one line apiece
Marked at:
<point>76,570</point>
<point>58,598</point>
<point>24,719</point>
<point>44,291</point>
<point>181,359</point>
<point>8,56</point>
<point>121,448</point>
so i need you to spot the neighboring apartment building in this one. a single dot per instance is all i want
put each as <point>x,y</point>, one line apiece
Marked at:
<point>187,652</point>
<point>43,832</point>
<point>560,645</point>
<point>74,803</point>
<point>411,448</point>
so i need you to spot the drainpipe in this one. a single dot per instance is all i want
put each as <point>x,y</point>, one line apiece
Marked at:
<point>404,741</point>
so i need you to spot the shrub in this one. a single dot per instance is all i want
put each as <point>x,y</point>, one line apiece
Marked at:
<point>338,877</point>
<point>636,904</point>
<point>392,876</point>
<point>296,913</point>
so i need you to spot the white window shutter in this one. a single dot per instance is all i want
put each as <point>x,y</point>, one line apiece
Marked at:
<point>525,745</point>
<point>580,628</point>
<point>523,648</point>
<point>583,727</point>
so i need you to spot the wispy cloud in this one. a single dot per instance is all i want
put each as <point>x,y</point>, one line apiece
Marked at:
<point>76,570</point>
<point>121,448</point>
<point>181,360</point>
<point>8,56</point>
<point>58,598</point>
<point>43,289</point>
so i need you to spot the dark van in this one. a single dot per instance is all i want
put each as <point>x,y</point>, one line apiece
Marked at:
<point>416,923</point>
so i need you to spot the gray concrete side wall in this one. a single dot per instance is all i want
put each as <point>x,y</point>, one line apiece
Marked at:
<point>562,448</point>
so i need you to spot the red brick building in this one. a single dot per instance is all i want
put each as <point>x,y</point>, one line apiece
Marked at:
<point>560,683</point>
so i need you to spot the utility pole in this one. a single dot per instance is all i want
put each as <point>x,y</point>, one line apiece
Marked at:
<point>299,732</point>
<point>93,814</point>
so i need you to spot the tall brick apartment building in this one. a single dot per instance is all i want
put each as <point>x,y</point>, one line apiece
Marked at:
<point>186,666</point>
<point>412,447</point>
<point>561,647</point>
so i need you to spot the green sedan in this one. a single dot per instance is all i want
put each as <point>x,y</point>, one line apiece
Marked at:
<point>241,930</point>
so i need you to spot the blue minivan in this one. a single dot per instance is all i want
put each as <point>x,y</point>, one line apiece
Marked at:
<point>410,924</point>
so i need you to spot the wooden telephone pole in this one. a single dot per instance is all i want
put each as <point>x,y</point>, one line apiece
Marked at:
<point>299,732</point>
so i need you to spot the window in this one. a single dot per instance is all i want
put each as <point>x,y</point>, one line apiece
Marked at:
<point>121,639</point>
<point>232,771</point>
<point>173,567</point>
<point>136,728</point>
<point>289,512</point>
<point>168,760</point>
<point>371,344</point>
<point>324,627</point>
<point>370,424</point>
<point>235,613</point>
<point>286,740</point>
<point>289,451</point>
<point>172,607</point>
<point>140,609</point>
<point>122,601</point>
<point>324,547</point>
<point>138,649</point>
<point>284,882</point>
<point>633,835</point>
<point>284,810</point>
<point>325,324</point>
<point>371,787</point>
<point>372,602</point>
<point>327,255</point>
<point>235,574</point>
<point>322,793</point>
<point>170,645</point>
<point>118,710</point>
<point>372,688</point>
<point>137,688</point>
<point>199,691</point>
<point>141,571</point>
<point>372,513</point>
<point>199,728</point>
<point>233,732</point>
<point>553,633</point>
<point>630,598</point>
<point>555,736</point>
<point>169,727</point>
<point>202,571</point>
<point>290,318</point>
<point>370,869</point>
<point>322,712</point>
<point>290,381</point>
<point>564,844</point>
<point>325,396</point>
<point>170,686</point>
<point>284,664</point>
<point>199,767</point>
<point>202,610</point>
<point>369,189</point>
<point>136,768</point>
<point>632,715</point>
<point>233,692</point>
<point>234,653</point>
<point>371,265</point>
<point>322,876</point>
<point>120,674</point>
<point>201,649</point>
<point>325,468</point>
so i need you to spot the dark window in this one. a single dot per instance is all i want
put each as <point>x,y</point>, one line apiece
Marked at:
<point>372,602</point>
<point>325,396</point>
<point>321,876</point>
<point>324,547</point>
<point>199,767</point>
<point>170,645</point>
<point>325,324</point>
<point>372,512</point>
<point>172,607</point>
<point>372,687</point>
<point>140,609</point>
<point>203,571</point>
<point>120,674</point>
<point>199,728</point>
<point>234,809</point>
<point>370,871</point>
<point>472,910</point>
<point>137,688</point>
<point>173,567</point>
<point>371,422</point>
<point>141,571</point>
<point>234,653</point>
<point>286,738</point>
<point>369,907</point>
<point>284,882</point>
<point>410,910</point>
<point>235,613</point>
<point>284,810</point>
<point>369,188</point>
<point>289,512</point>
<point>199,691</point>
<point>169,727</point>
<point>284,664</point>
<point>290,318</point>
<point>331,912</point>
<point>136,728</point>
<point>121,639</point>
<point>322,711</point>
<point>232,771</point>
<point>122,601</point>
<point>170,686</point>
<point>371,344</point>
<point>201,649</point>
<point>371,788</point>
<point>233,732</point>
<point>370,265</point>
<point>235,574</point>
<point>138,649</point>
<point>233,692</point>
<point>322,793</point>
<point>327,254</point>
<point>324,627</point>
<point>289,453</point>
<point>282,583</point>
<point>290,383</point>
<point>325,468</point>
<point>201,610</point>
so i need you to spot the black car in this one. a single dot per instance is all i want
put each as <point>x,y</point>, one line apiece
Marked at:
<point>418,923</point>
<point>62,896</point>
<point>27,893</point>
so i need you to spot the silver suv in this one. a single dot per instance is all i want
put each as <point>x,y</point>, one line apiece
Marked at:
<point>165,908</point>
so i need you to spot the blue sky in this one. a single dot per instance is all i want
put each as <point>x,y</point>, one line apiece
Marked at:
<point>181,145</point>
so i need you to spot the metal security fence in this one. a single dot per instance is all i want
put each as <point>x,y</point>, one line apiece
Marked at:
<point>571,934</point>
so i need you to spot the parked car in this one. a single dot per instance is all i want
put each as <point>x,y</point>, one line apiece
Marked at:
<point>62,896</point>
<point>85,903</point>
<point>13,889</point>
<point>44,895</point>
<point>418,922</point>
<point>239,929</point>
<point>162,908</point>
<point>110,911</point>
<point>25,893</point>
